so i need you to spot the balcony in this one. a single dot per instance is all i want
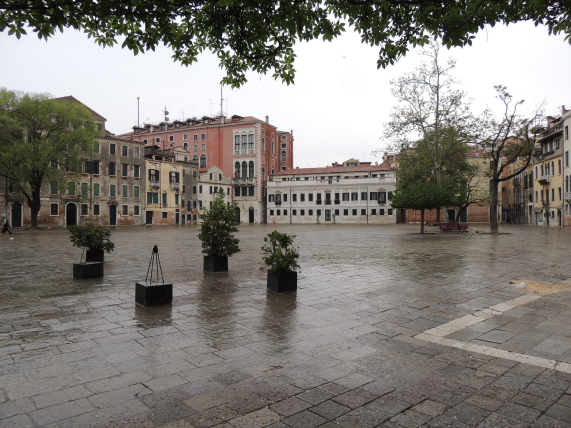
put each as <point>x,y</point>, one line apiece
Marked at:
<point>327,201</point>
<point>544,179</point>
<point>243,179</point>
<point>517,181</point>
<point>382,202</point>
<point>175,186</point>
<point>568,196</point>
<point>154,184</point>
<point>336,201</point>
<point>278,203</point>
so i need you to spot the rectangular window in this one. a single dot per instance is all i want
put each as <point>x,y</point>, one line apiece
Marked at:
<point>136,210</point>
<point>194,190</point>
<point>195,137</point>
<point>294,212</point>
<point>96,189</point>
<point>271,212</point>
<point>185,136</point>
<point>54,188</point>
<point>211,190</point>
<point>195,148</point>
<point>345,212</point>
<point>301,212</point>
<point>382,197</point>
<point>152,198</point>
<point>373,196</point>
<point>251,191</point>
<point>382,211</point>
<point>176,199</point>
<point>153,175</point>
<point>171,138</point>
<point>363,196</point>
<point>165,200</point>
<point>125,191</point>
<point>244,191</point>
<point>203,136</point>
<point>285,197</point>
<point>96,147</point>
<point>84,189</point>
<point>96,209</point>
<point>310,212</point>
<point>302,197</point>
<point>165,214</point>
<point>336,212</point>
<point>294,197</point>
<point>389,211</point>
<point>566,132</point>
<point>125,151</point>
<point>310,197</point>
<point>136,152</point>
<point>560,193</point>
<point>200,189</point>
<point>552,195</point>
<point>54,209</point>
<point>390,196</point>
<point>71,188</point>
<point>237,191</point>
<point>278,212</point>
<point>345,196</point>
<point>354,212</point>
<point>318,212</point>
<point>354,196</point>
<point>124,170</point>
<point>373,212</point>
<point>363,211</point>
<point>136,171</point>
<point>112,149</point>
<point>285,212</point>
<point>112,168</point>
<point>113,190</point>
<point>125,210</point>
<point>136,192</point>
<point>84,209</point>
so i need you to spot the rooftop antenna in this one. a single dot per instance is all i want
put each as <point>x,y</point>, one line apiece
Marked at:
<point>221,105</point>
<point>210,99</point>
<point>166,114</point>
<point>137,110</point>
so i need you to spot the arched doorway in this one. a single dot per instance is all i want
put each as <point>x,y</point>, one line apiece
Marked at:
<point>112,215</point>
<point>70,214</point>
<point>16,214</point>
<point>251,215</point>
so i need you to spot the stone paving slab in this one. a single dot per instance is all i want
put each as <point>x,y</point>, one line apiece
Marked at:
<point>387,329</point>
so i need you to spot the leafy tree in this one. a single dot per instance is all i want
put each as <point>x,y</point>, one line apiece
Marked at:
<point>510,142</point>
<point>261,35</point>
<point>280,255</point>
<point>218,223</point>
<point>41,138</point>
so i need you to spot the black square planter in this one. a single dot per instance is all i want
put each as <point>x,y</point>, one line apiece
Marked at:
<point>95,256</point>
<point>282,281</point>
<point>153,293</point>
<point>88,270</point>
<point>215,263</point>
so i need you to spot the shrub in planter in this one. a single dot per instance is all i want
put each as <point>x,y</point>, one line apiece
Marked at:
<point>95,239</point>
<point>218,224</point>
<point>281,258</point>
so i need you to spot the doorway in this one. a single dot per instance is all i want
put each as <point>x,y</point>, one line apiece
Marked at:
<point>70,214</point>
<point>112,215</point>
<point>327,215</point>
<point>251,215</point>
<point>177,217</point>
<point>451,215</point>
<point>149,217</point>
<point>16,214</point>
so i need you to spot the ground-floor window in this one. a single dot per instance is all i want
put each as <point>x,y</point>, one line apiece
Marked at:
<point>278,212</point>
<point>318,212</point>
<point>96,209</point>
<point>84,209</point>
<point>390,212</point>
<point>271,212</point>
<point>136,210</point>
<point>381,211</point>
<point>345,212</point>
<point>194,216</point>
<point>354,212</point>
<point>310,212</point>
<point>373,212</point>
<point>294,212</point>
<point>165,214</point>
<point>125,209</point>
<point>302,212</point>
<point>363,211</point>
<point>285,212</point>
<point>54,209</point>
<point>336,212</point>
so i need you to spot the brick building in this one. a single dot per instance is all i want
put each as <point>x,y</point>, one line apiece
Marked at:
<point>245,148</point>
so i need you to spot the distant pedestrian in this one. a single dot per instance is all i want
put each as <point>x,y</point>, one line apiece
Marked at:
<point>6,227</point>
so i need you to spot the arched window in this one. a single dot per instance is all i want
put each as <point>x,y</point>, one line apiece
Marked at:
<point>237,168</point>
<point>251,142</point>
<point>244,143</point>
<point>251,169</point>
<point>237,143</point>
<point>195,158</point>
<point>552,168</point>
<point>244,169</point>
<point>284,156</point>
<point>263,173</point>
<point>186,146</point>
<point>559,166</point>
<point>203,161</point>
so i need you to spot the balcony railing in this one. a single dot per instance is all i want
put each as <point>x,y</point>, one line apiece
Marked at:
<point>337,201</point>
<point>154,184</point>
<point>382,202</point>
<point>544,179</point>
<point>327,201</point>
<point>278,202</point>
<point>568,196</point>
<point>243,179</point>
<point>175,186</point>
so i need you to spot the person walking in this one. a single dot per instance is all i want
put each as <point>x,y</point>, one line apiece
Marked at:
<point>6,227</point>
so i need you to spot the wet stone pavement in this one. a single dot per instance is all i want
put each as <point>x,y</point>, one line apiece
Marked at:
<point>387,329</point>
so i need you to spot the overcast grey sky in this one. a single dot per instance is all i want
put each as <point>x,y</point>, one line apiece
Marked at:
<point>336,108</point>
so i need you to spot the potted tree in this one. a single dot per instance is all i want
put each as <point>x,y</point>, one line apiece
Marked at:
<point>95,240</point>
<point>218,224</point>
<point>281,259</point>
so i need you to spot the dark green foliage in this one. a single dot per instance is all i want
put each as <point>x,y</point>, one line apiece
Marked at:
<point>260,35</point>
<point>218,223</point>
<point>279,255</point>
<point>91,237</point>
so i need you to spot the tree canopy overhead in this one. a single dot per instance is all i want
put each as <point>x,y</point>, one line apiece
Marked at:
<point>260,35</point>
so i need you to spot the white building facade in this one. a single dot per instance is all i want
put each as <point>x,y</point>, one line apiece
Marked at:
<point>339,194</point>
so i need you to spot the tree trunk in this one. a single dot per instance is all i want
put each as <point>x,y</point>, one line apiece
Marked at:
<point>494,207</point>
<point>437,214</point>
<point>35,206</point>
<point>422,221</point>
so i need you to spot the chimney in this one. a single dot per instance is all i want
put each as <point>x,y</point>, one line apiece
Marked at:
<point>222,120</point>
<point>267,119</point>
<point>563,110</point>
<point>376,163</point>
<point>297,167</point>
